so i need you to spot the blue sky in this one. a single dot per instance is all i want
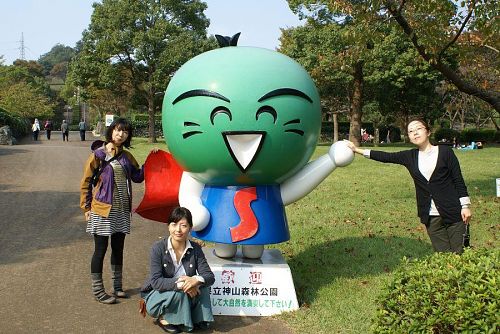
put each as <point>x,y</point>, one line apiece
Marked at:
<point>45,23</point>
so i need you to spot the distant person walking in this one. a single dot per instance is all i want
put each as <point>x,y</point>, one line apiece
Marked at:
<point>82,126</point>
<point>65,130</point>
<point>35,128</point>
<point>48,128</point>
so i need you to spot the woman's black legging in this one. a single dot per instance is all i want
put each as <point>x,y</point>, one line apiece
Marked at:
<point>101,245</point>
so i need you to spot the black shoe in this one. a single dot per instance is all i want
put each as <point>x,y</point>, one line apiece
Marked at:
<point>169,328</point>
<point>202,325</point>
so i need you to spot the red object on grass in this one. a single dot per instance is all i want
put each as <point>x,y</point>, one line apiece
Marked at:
<point>162,177</point>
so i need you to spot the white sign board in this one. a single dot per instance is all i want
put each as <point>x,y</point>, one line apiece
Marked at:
<point>109,119</point>
<point>498,187</point>
<point>251,287</point>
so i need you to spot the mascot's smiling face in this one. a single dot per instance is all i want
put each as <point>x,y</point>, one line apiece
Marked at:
<point>241,115</point>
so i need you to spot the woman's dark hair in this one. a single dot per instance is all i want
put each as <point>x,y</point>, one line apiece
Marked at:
<point>421,120</point>
<point>120,124</point>
<point>180,213</point>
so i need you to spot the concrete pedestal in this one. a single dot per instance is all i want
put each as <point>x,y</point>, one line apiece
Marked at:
<point>251,287</point>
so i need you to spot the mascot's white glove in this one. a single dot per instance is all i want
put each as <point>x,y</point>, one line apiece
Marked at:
<point>201,216</point>
<point>341,154</point>
<point>190,191</point>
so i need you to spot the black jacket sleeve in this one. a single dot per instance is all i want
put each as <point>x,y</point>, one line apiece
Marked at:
<point>158,280</point>
<point>202,267</point>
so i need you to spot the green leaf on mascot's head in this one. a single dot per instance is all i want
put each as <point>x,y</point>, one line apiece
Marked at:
<point>241,115</point>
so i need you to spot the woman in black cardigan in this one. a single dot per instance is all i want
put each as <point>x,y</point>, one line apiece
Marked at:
<point>442,198</point>
<point>176,291</point>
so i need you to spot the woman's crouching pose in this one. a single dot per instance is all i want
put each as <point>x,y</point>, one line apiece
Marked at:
<point>176,292</point>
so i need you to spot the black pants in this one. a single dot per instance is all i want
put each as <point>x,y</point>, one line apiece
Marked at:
<point>35,135</point>
<point>66,135</point>
<point>445,237</point>
<point>100,247</point>
<point>82,135</point>
<point>48,133</point>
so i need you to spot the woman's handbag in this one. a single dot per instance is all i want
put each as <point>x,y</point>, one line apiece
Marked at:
<point>466,236</point>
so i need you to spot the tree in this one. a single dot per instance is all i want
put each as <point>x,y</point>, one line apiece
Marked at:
<point>59,55</point>
<point>402,84</point>
<point>33,69</point>
<point>23,100</point>
<point>465,109</point>
<point>147,39</point>
<point>59,70</point>
<point>322,46</point>
<point>25,71</point>
<point>435,28</point>
<point>25,79</point>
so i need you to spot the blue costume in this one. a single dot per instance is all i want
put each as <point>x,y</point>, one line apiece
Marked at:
<point>267,208</point>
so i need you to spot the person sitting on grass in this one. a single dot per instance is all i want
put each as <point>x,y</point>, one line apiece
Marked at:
<point>176,291</point>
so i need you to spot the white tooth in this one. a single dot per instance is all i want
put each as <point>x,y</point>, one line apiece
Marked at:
<point>244,147</point>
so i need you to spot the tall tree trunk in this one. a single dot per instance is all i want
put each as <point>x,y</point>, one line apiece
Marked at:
<point>406,121</point>
<point>335,127</point>
<point>151,114</point>
<point>356,105</point>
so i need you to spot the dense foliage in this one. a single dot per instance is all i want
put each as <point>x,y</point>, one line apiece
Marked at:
<point>24,91</point>
<point>436,29</point>
<point>444,293</point>
<point>467,136</point>
<point>132,48</point>
<point>18,125</point>
<point>55,62</point>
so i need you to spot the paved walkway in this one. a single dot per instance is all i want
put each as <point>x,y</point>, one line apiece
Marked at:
<point>45,253</point>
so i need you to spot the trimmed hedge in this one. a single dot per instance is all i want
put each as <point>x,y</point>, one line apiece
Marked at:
<point>446,134</point>
<point>140,124</point>
<point>443,293</point>
<point>467,135</point>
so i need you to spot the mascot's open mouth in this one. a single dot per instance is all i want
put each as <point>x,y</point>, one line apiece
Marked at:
<point>244,146</point>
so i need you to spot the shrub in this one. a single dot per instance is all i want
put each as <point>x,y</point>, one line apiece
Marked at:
<point>18,125</point>
<point>446,134</point>
<point>470,135</point>
<point>444,293</point>
<point>140,124</point>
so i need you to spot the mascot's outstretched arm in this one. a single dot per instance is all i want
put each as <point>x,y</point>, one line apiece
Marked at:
<point>190,197</point>
<point>312,174</point>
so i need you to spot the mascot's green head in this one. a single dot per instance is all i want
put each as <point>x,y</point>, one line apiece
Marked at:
<point>241,116</point>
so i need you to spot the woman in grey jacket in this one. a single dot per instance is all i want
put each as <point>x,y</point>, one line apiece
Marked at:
<point>442,198</point>
<point>176,291</point>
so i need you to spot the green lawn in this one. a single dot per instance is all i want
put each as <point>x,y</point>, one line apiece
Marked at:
<point>348,235</point>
